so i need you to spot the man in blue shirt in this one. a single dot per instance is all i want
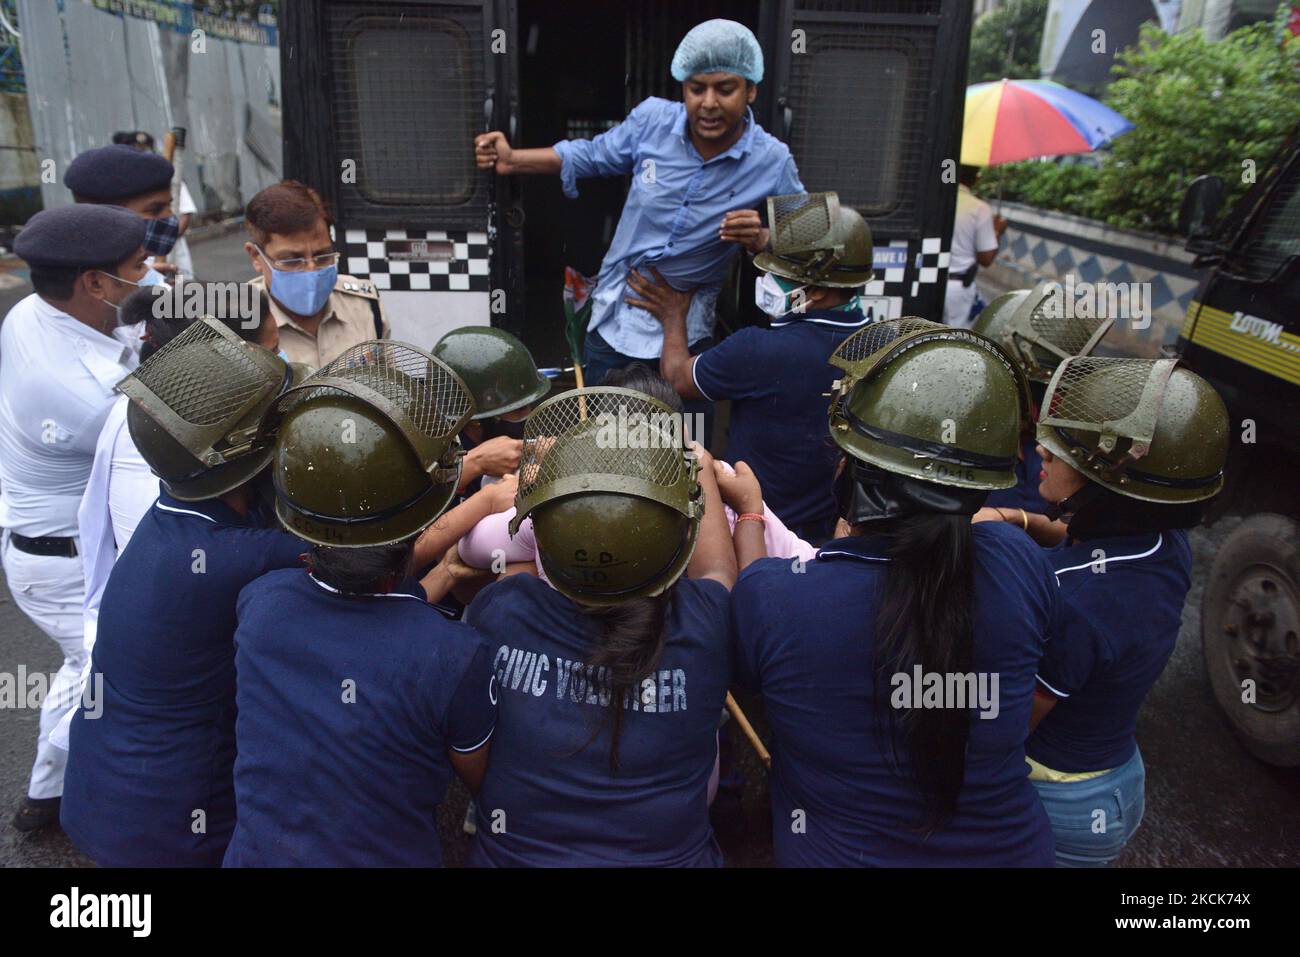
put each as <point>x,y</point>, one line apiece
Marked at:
<point>699,170</point>
<point>777,378</point>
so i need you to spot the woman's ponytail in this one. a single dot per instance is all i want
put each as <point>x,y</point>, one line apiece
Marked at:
<point>926,618</point>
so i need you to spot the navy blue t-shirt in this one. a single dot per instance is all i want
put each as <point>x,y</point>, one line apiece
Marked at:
<point>347,707</point>
<point>779,383</point>
<point>150,781</point>
<point>1124,602</point>
<point>1024,494</point>
<point>805,636</point>
<point>547,803</point>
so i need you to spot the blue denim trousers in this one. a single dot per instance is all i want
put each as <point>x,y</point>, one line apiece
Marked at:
<point>601,359</point>
<point>1092,820</point>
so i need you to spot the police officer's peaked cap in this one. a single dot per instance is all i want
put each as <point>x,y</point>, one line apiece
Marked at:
<point>74,236</point>
<point>117,172</point>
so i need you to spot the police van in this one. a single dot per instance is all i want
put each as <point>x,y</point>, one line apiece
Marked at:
<point>1242,333</point>
<point>382,101</point>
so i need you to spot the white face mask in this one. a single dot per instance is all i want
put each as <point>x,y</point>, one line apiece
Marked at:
<point>146,280</point>
<point>773,298</point>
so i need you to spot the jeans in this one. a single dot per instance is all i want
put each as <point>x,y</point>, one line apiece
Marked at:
<point>600,359</point>
<point>1092,820</point>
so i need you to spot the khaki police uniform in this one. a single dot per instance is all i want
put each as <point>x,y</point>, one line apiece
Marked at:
<point>350,318</point>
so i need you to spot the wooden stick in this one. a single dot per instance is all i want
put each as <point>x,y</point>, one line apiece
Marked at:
<point>582,399</point>
<point>750,733</point>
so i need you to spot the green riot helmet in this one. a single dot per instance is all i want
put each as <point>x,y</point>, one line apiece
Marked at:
<point>496,366</point>
<point>929,402</point>
<point>195,409</point>
<point>1140,427</point>
<point>365,449</point>
<point>611,489</point>
<point>817,242</point>
<point>1037,331</point>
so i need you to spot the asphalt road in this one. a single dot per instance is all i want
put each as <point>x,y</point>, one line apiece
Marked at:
<point>1208,802</point>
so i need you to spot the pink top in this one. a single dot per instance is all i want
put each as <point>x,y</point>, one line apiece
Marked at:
<point>493,534</point>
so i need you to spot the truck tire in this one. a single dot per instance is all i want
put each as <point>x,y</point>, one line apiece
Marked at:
<point>1250,620</point>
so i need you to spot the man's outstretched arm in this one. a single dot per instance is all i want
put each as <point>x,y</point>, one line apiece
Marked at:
<point>493,151</point>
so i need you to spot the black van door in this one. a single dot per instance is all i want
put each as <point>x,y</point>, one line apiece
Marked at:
<point>870,96</point>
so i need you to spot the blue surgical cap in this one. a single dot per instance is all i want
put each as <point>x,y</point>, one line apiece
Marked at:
<point>718,46</point>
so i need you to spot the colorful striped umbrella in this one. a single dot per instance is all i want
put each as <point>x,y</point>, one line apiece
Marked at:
<point>1019,119</point>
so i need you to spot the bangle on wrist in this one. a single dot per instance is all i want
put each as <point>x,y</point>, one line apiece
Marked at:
<point>1024,519</point>
<point>750,517</point>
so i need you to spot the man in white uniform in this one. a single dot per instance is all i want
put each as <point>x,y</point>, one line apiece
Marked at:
<point>59,363</point>
<point>976,233</point>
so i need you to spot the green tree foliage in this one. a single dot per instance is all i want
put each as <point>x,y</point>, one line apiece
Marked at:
<point>989,42</point>
<point>1197,107</point>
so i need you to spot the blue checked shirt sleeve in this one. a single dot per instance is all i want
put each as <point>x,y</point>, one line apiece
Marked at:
<point>612,153</point>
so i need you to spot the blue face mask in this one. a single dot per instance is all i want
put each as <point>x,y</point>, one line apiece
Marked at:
<point>152,278</point>
<point>302,293</point>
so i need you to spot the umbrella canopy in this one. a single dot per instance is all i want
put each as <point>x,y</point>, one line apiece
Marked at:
<point>1019,119</point>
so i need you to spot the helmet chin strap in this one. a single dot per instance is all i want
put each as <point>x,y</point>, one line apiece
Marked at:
<point>1069,506</point>
<point>865,493</point>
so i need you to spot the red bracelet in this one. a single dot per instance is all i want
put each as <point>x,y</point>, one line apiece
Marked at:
<point>751,517</point>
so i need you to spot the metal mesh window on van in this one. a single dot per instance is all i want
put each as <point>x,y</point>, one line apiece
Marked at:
<point>903,7</point>
<point>409,91</point>
<point>868,149</point>
<point>1275,237</point>
<point>585,128</point>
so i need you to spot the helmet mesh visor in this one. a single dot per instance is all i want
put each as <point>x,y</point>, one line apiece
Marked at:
<point>867,342</point>
<point>204,386</point>
<point>800,222</point>
<point>1118,397</point>
<point>419,387</point>
<point>614,440</point>
<point>204,377</point>
<point>1070,334</point>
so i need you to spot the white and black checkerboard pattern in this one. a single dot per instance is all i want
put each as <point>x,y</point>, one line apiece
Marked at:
<point>468,270</point>
<point>926,262</point>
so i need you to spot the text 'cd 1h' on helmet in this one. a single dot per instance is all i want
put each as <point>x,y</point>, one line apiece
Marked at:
<point>817,241</point>
<point>612,493</point>
<point>196,405</point>
<point>366,450</point>
<point>929,402</point>
<point>496,366</point>
<point>1140,427</point>
<point>1037,331</point>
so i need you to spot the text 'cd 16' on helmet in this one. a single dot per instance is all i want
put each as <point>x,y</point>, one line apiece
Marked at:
<point>929,402</point>
<point>196,406</point>
<point>817,241</point>
<point>365,449</point>
<point>612,492</point>
<point>1033,327</point>
<point>496,366</point>
<point>1140,427</point>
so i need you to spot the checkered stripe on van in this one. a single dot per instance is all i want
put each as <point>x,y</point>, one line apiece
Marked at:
<point>921,262</point>
<point>467,271</point>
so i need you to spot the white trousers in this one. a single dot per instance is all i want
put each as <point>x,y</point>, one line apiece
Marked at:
<point>957,303</point>
<point>50,591</point>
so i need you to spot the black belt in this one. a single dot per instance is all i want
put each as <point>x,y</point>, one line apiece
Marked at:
<point>44,545</point>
